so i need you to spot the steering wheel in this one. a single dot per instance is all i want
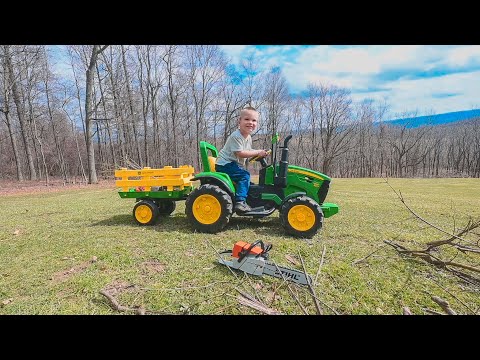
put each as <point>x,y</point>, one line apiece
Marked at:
<point>259,158</point>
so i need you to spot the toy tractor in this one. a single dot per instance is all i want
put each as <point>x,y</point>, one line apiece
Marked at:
<point>297,193</point>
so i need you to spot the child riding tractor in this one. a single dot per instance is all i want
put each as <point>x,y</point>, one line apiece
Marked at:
<point>298,193</point>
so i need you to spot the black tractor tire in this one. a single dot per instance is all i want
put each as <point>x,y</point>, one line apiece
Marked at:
<point>301,217</point>
<point>209,208</point>
<point>165,207</point>
<point>145,212</point>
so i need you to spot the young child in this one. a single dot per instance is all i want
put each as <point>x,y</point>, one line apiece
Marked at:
<point>231,158</point>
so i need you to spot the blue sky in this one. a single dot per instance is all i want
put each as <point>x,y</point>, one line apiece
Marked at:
<point>412,79</point>
<point>425,79</point>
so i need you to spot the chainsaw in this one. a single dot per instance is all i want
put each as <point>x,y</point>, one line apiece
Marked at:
<point>253,259</point>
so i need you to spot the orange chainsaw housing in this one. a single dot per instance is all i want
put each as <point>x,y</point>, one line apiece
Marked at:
<point>242,245</point>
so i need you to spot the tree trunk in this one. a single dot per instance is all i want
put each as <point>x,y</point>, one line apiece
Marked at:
<point>20,112</point>
<point>92,172</point>
<point>132,112</point>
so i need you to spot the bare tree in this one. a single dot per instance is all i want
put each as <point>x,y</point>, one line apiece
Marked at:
<point>206,66</point>
<point>133,116</point>
<point>5,109</point>
<point>275,100</point>
<point>403,140</point>
<point>174,91</point>
<point>92,173</point>
<point>17,98</point>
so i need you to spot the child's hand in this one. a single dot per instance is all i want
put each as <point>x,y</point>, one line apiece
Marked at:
<point>262,153</point>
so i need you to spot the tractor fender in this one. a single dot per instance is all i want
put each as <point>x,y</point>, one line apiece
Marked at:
<point>222,181</point>
<point>292,195</point>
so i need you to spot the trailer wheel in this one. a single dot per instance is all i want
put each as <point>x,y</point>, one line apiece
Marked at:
<point>301,216</point>
<point>145,212</point>
<point>165,207</point>
<point>209,208</point>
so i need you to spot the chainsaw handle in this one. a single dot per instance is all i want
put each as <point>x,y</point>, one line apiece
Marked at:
<point>264,248</point>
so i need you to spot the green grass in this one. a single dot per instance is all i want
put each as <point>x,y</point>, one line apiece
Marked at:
<point>174,270</point>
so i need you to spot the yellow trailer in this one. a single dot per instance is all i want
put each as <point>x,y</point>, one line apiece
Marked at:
<point>155,190</point>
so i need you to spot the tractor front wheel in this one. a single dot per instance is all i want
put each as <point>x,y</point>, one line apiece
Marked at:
<point>301,216</point>
<point>209,208</point>
<point>145,212</point>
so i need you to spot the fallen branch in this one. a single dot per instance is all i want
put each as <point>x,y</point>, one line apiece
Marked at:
<point>430,258</point>
<point>290,289</point>
<point>254,304</point>
<point>455,241</point>
<point>399,195</point>
<point>470,226</point>
<point>118,307</point>
<point>453,295</point>
<point>320,266</point>
<point>366,257</point>
<point>406,311</point>
<point>312,290</point>
<point>433,312</point>
<point>444,305</point>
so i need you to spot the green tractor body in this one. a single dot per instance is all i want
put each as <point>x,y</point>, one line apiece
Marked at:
<point>298,193</point>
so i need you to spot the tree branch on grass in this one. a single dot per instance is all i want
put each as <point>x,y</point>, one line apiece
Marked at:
<point>320,266</point>
<point>399,195</point>
<point>248,300</point>
<point>310,287</point>
<point>433,312</point>
<point>454,241</point>
<point>290,289</point>
<point>116,306</point>
<point>455,297</point>
<point>444,305</point>
<point>406,311</point>
<point>366,257</point>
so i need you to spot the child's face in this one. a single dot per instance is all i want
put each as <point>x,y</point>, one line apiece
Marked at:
<point>248,122</point>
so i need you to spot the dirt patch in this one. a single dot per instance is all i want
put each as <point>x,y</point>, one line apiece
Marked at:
<point>117,287</point>
<point>153,266</point>
<point>11,187</point>
<point>65,274</point>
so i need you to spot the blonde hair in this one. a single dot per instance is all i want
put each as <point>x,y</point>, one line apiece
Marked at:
<point>245,109</point>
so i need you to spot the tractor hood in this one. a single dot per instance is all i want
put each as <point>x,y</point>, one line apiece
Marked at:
<point>307,172</point>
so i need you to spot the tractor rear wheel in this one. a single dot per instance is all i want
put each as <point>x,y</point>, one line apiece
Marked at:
<point>165,207</point>
<point>209,208</point>
<point>145,212</point>
<point>301,216</point>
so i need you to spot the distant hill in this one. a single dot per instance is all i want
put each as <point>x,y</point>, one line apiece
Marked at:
<point>439,119</point>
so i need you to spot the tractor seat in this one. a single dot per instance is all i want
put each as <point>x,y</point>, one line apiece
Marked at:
<point>211,163</point>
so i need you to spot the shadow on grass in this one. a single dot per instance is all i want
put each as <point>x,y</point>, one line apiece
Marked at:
<point>265,226</point>
<point>117,220</point>
<point>179,222</point>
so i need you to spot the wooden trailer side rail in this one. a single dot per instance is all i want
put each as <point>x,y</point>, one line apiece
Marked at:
<point>168,176</point>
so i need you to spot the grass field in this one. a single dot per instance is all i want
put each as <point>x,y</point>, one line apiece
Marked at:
<point>48,241</point>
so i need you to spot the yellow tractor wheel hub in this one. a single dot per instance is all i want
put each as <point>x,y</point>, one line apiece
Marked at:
<point>207,209</point>
<point>143,214</point>
<point>301,218</point>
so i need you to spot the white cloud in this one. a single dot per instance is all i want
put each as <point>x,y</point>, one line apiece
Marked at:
<point>461,55</point>
<point>359,67</point>
<point>235,52</point>
<point>418,94</point>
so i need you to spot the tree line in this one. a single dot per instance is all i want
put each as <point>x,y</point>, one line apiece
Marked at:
<point>150,105</point>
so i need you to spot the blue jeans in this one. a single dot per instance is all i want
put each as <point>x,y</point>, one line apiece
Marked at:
<point>240,176</point>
